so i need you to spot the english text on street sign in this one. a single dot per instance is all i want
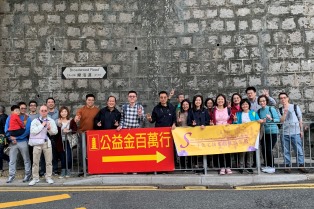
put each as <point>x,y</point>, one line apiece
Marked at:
<point>84,72</point>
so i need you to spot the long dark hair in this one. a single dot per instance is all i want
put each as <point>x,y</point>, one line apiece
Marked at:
<point>194,99</point>
<point>185,100</point>
<point>209,99</point>
<point>235,94</point>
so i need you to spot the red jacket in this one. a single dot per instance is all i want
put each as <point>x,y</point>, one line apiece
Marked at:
<point>15,122</point>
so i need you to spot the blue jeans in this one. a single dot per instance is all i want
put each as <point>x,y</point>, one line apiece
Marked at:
<point>296,142</point>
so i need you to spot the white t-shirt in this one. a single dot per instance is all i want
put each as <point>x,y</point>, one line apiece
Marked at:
<point>245,117</point>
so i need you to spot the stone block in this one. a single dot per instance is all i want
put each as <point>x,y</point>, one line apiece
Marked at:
<point>239,82</point>
<point>74,6</point>
<point>236,2</point>
<point>229,54</point>
<point>83,18</point>
<point>19,44</point>
<point>255,81</point>
<point>288,24</point>
<point>126,17</point>
<point>295,37</point>
<point>73,31</point>
<point>304,22</point>
<point>98,18</point>
<point>211,13</point>
<point>69,57</point>
<point>186,41</point>
<point>226,39</point>
<point>273,24</point>
<point>230,25</point>
<point>32,44</point>
<point>101,6</point>
<point>75,44</point>
<point>19,7</point>
<point>47,7</point>
<point>186,14</point>
<point>298,52</point>
<point>179,27</point>
<point>74,97</point>
<point>243,25</point>
<point>53,19</point>
<point>190,3</point>
<point>257,25</point>
<point>8,20</point>
<point>217,25</point>
<point>226,13</point>
<point>26,85</point>
<point>309,36</point>
<point>38,18</point>
<point>61,7</point>
<point>192,28</point>
<point>198,14</point>
<point>88,31</point>
<point>87,6</point>
<point>70,18</point>
<point>111,18</point>
<point>23,71</point>
<point>217,2</point>
<point>103,31</point>
<point>258,10</point>
<point>5,7</point>
<point>242,12</point>
<point>278,10</point>
<point>297,9</point>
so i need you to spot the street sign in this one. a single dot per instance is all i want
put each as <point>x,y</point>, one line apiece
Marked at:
<point>84,72</point>
<point>130,150</point>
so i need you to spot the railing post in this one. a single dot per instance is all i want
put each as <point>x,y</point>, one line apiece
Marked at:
<point>205,164</point>
<point>84,152</point>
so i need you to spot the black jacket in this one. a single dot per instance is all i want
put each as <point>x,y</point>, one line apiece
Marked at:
<point>107,118</point>
<point>201,117</point>
<point>3,118</point>
<point>164,116</point>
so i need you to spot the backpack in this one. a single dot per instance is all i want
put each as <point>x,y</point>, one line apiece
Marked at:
<point>271,113</point>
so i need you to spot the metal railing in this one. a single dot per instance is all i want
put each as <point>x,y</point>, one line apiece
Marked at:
<point>260,159</point>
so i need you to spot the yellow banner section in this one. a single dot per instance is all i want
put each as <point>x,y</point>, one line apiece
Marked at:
<point>217,139</point>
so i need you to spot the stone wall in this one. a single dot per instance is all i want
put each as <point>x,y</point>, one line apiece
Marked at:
<point>194,46</point>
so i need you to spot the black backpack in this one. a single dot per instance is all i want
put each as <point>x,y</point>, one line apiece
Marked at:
<point>271,113</point>
<point>295,112</point>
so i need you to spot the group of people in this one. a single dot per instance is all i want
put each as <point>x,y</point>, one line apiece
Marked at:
<point>40,137</point>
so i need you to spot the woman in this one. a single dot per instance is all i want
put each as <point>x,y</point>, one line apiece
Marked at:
<point>222,116</point>
<point>66,125</point>
<point>209,103</point>
<point>270,116</point>
<point>244,116</point>
<point>108,117</point>
<point>199,117</point>
<point>235,103</point>
<point>185,110</point>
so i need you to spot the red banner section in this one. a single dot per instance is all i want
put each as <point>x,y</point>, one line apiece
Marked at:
<point>130,150</point>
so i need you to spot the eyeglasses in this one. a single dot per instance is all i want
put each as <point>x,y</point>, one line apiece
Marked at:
<point>43,110</point>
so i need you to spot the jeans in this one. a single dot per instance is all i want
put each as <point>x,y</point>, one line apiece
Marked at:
<point>14,150</point>
<point>296,142</point>
<point>267,144</point>
<point>2,157</point>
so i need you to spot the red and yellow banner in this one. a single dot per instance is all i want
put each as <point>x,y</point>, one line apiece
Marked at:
<point>130,150</point>
<point>217,139</point>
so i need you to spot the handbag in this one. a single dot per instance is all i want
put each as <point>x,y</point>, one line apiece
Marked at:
<point>3,139</point>
<point>72,138</point>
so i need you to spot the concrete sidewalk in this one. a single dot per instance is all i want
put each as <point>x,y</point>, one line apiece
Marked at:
<point>212,179</point>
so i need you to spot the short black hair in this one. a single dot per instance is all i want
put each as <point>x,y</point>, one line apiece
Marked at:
<point>90,95</point>
<point>162,92</point>
<point>282,93</point>
<point>263,96</point>
<point>14,107</point>
<point>250,88</point>
<point>32,101</point>
<point>115,99</point>
<point>2,109</point>
<point>221,95</point>
<point>245,101</point>
<point>180,93</point>
<point>21,103</point>
<point>54,101</point>
<point>132,91</point>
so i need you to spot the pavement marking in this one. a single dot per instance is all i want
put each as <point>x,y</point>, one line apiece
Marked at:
<point>34,201</point>
<point>195,188</point>
<point>276,187</point>
<point>80,208</point>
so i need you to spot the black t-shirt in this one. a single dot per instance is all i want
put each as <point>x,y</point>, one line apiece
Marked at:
<point>3,118</point>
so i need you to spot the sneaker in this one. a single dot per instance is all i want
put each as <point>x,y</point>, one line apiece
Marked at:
<point>222,171</point>
<point>228,171</point>
<point>240,171</point>
<point>27,178</point>
<point>54,173</point>
<point>303,170</point>
<point>33,182</point>
<point>10,179</point>
<point>1,172</point>
<point>269,170</point>
<point>49,181</point>
<point>287,170</point>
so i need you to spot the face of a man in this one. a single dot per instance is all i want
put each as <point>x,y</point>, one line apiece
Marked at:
<point>284,99</point>
<point>163,98</point>
<point>32,107</point>
<point>132,98</point>
<point>43,111</point>
<point>90,101</point>
<point>180,98</point>
<point>23,109</point>
<point>51,104</point>
<point>111,103</point>
<point>251,94</point>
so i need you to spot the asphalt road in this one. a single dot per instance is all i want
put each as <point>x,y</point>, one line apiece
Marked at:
<point>96,197</point>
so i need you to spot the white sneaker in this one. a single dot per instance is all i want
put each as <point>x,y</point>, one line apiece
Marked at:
<point>49,181</point>
<point>270,170</point>
<point>33,182</point>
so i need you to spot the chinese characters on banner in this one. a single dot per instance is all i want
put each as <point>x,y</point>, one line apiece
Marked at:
<point>130,150</point>
<point>218,139</point>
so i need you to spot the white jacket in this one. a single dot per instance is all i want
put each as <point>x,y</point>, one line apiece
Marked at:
<point>36,126</point>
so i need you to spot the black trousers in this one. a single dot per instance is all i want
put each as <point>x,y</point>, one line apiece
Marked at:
<point>267,148</point>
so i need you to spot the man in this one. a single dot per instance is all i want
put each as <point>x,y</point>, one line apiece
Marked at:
<point>132,113</point>
<point>85,116</point>
<point>32,106</point>
<point>40,127</point>
<point>53,113</point>
<point>164,114</point>
<point>19,143</point>
<point>291,117</point>
<point>108,117</point>
<point>251,95</point>
<point>180,98</point>
<point>3,118</point>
